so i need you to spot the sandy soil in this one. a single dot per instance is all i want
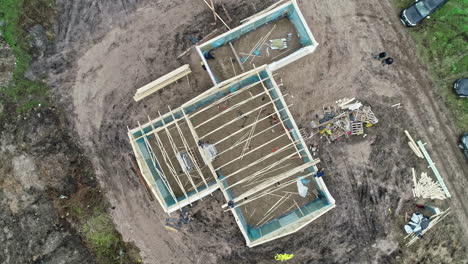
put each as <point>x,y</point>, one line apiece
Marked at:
<point>104,52</point>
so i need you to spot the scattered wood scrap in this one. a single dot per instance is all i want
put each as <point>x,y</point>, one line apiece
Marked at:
<point>345,119</point>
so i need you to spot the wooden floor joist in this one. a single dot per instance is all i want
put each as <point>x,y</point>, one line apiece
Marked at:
<point>259,160</point>
<point>170,165</point>
<point>154,159</point>
<point>245,139</point>
<point>244,128</point>
<point>273,181</point>
<point>280,117</point>
<point>225,98</point>
<point>230,109</point>
<point>237,119</point>
<point>162,82</point>
<point>175,150</point>
<point>187,149</point>
<point>269,191</point>
<point>256,175</point>
<point>252,150</point>
<point>200,149</point>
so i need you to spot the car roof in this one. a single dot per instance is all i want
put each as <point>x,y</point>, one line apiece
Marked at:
<point>464,139</point>
<point>462,86</point>
<point>434,3</point>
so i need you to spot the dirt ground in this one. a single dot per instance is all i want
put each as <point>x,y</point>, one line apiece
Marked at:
<point>105,51</point>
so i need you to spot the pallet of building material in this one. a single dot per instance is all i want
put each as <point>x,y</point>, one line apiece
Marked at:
<point>357,128</point>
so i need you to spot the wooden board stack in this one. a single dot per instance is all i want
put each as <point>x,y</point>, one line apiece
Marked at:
<point>426,188</point>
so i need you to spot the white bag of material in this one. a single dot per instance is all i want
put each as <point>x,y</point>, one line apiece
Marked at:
<point>301,188</point>
<point>416,218</point>
<point>408,229</point>
<point>210,151</point>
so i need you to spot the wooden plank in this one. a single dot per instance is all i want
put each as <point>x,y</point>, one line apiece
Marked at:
<point>416,150</point>
<point>237,119</point>
<point>200,149</point>
<point>226,12</point>
<point>187,149</point>
<point>237,57</point>
<point>230,109</point>
<point>162,82</point>
<point>259,147</point>
<point>142,179</point>
<point>216,14</point>
<point>273,181</point>
<point>244,128</point>
<point>175,150</point>
<point>278,113</point>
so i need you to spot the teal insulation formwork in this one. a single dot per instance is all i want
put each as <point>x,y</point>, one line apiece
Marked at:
<point>289,10</point>
<point>167,120</point>
<point>252,233</point>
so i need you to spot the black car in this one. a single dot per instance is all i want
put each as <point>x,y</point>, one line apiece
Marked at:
<point>464,144</point>
<point>421,9</point>
<point>461,87</point>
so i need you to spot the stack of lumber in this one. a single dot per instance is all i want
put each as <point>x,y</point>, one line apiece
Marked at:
<point>413,146</point>
<point>162,82</point>
<point>426,188</point>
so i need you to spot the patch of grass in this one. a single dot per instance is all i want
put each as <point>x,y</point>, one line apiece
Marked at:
<point>88,209</point>
<point>100,233</point>
<point>17,16</point>
<point>442,44</point>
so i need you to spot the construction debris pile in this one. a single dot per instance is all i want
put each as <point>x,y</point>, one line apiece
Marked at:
<point>420,224</point>
<point>344,120</point>
<point>425,188</point>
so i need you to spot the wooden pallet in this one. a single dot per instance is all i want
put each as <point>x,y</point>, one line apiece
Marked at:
<point>303,133</point>
<point>357,128</point>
